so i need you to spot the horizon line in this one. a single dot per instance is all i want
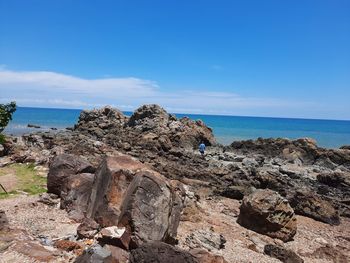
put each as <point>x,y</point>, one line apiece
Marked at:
<point>220,115</point>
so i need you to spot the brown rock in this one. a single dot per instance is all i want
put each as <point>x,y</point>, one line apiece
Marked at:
<point>266,212</point>
<point>204,256</point>
<point>116,236</point>
<point>88,228</point>
<point>112,179</point>
<point>118,254</point>
<point>34,251</point>
<point>151,209</point>
<point>283,254</point>
<point>68,245</point>
<point>75,195</point>
<point>61,168</point>
<point>161,253</point>
<point>311,205</point>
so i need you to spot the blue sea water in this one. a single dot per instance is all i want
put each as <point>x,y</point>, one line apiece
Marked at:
<point>327,133</point>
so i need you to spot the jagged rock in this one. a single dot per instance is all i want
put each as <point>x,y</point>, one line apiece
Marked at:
<point>283,254</point>
<point>88,228</point>
<point>161,253</point>
<point>116,236</point>
<point>266,212</point>
<point>335,179</point>
<point>62,167</point>
<point>206,239</point>
<point>203,256</point>
<point>75,195</point>
<point>112,179</point>
<point>151,209</point>
<point>310,204</point>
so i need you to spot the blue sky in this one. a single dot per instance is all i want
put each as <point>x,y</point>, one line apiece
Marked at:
<point>256,58</point>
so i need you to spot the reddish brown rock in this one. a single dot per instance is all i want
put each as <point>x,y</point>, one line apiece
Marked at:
<point>34,250</point>
<point>112,179</point>
<point>266,212</point>
<point>116,236</point>
<point>68,245</point>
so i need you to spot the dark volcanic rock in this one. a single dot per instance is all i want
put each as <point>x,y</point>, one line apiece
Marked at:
<point>283,254</point>
<point>151,209</point>
<point>158,252</point>
<point>33,126</point>
<point>61,168</point>
<point>311,205</point>
<point>75,195</point>
<point>266,212</point>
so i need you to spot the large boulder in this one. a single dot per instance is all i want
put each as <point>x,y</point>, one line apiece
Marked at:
<point>309,204</point>
<point>266,212</point>
<point>75,195</point>
<point>62,167</point>
<point>164,130</point>
<point>151,209</point>
<point>112,179</point>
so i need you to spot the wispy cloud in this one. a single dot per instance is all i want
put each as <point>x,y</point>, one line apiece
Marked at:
<point>45,89</point>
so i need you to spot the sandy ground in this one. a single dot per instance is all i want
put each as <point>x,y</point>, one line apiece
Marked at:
<point>218,215</point>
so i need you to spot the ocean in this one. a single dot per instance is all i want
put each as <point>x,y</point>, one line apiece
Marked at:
<point>327,133</point>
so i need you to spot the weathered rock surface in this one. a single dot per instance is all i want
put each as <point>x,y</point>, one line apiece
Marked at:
<point>62,167</point>
<point>75,195</point>
<point>311,205</point>
<point>112,179</point>
<point>266,212</point>
<point>283,254</point>
<point>151,209</point>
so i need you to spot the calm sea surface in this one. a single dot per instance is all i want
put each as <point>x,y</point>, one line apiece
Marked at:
<point>328,133</point>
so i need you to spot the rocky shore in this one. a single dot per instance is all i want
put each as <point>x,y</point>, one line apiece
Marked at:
<point>135,189</point>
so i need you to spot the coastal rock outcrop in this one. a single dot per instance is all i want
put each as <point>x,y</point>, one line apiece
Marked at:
<point>266,212</point>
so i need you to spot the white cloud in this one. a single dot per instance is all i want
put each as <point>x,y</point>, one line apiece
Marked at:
<point>51,89</point>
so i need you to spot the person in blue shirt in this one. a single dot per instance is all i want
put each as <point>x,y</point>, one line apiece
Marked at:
<point>202,148</point>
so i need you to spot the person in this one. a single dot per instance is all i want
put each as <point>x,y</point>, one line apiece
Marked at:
<point>202,148</point>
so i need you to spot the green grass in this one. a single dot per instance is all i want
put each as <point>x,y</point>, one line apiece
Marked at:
<point>2,138</point>
<point>27,179</point>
